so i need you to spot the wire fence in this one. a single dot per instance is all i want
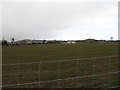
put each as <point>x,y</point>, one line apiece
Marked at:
<point>95,72</point>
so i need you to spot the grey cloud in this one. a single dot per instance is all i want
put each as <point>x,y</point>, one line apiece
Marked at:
<point>44,20</point>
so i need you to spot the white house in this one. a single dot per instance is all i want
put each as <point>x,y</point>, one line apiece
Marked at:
<point>70,41</point>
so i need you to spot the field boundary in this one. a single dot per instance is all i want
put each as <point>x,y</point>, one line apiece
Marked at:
<point>58,71</point>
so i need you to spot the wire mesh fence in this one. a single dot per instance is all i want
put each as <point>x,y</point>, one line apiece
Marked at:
<point>95,72</point>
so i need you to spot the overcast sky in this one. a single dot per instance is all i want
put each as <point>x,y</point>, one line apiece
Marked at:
<point>60,20</point>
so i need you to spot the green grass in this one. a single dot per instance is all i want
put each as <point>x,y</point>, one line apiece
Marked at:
<point>49,71</point>
<point>34,53</point>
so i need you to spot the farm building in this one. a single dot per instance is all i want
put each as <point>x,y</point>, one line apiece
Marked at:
<point>70,41</point>
<point>63,42</point>
<point>38,41</point>
<point>25,41</point>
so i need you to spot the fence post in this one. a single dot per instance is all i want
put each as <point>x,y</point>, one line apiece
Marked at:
<point>58,73</point>
<point>77,71</point>
<point>94,73</point>
<point>17,74</point>
<point>109,71</point>
<point>39,74</point>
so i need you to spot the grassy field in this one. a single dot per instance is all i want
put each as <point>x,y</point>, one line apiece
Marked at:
<point>25,73</point>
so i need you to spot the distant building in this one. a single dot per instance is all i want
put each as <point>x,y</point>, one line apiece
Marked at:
<point>90,40</point>
<point>50,41</point>
<point>71,41</point>
<point>38,41</point>
<point>27,41</point>
<point>21,42</point>
<point>63,42</point>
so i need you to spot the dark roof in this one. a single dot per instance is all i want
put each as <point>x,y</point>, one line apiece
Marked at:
<point>90,39</point>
